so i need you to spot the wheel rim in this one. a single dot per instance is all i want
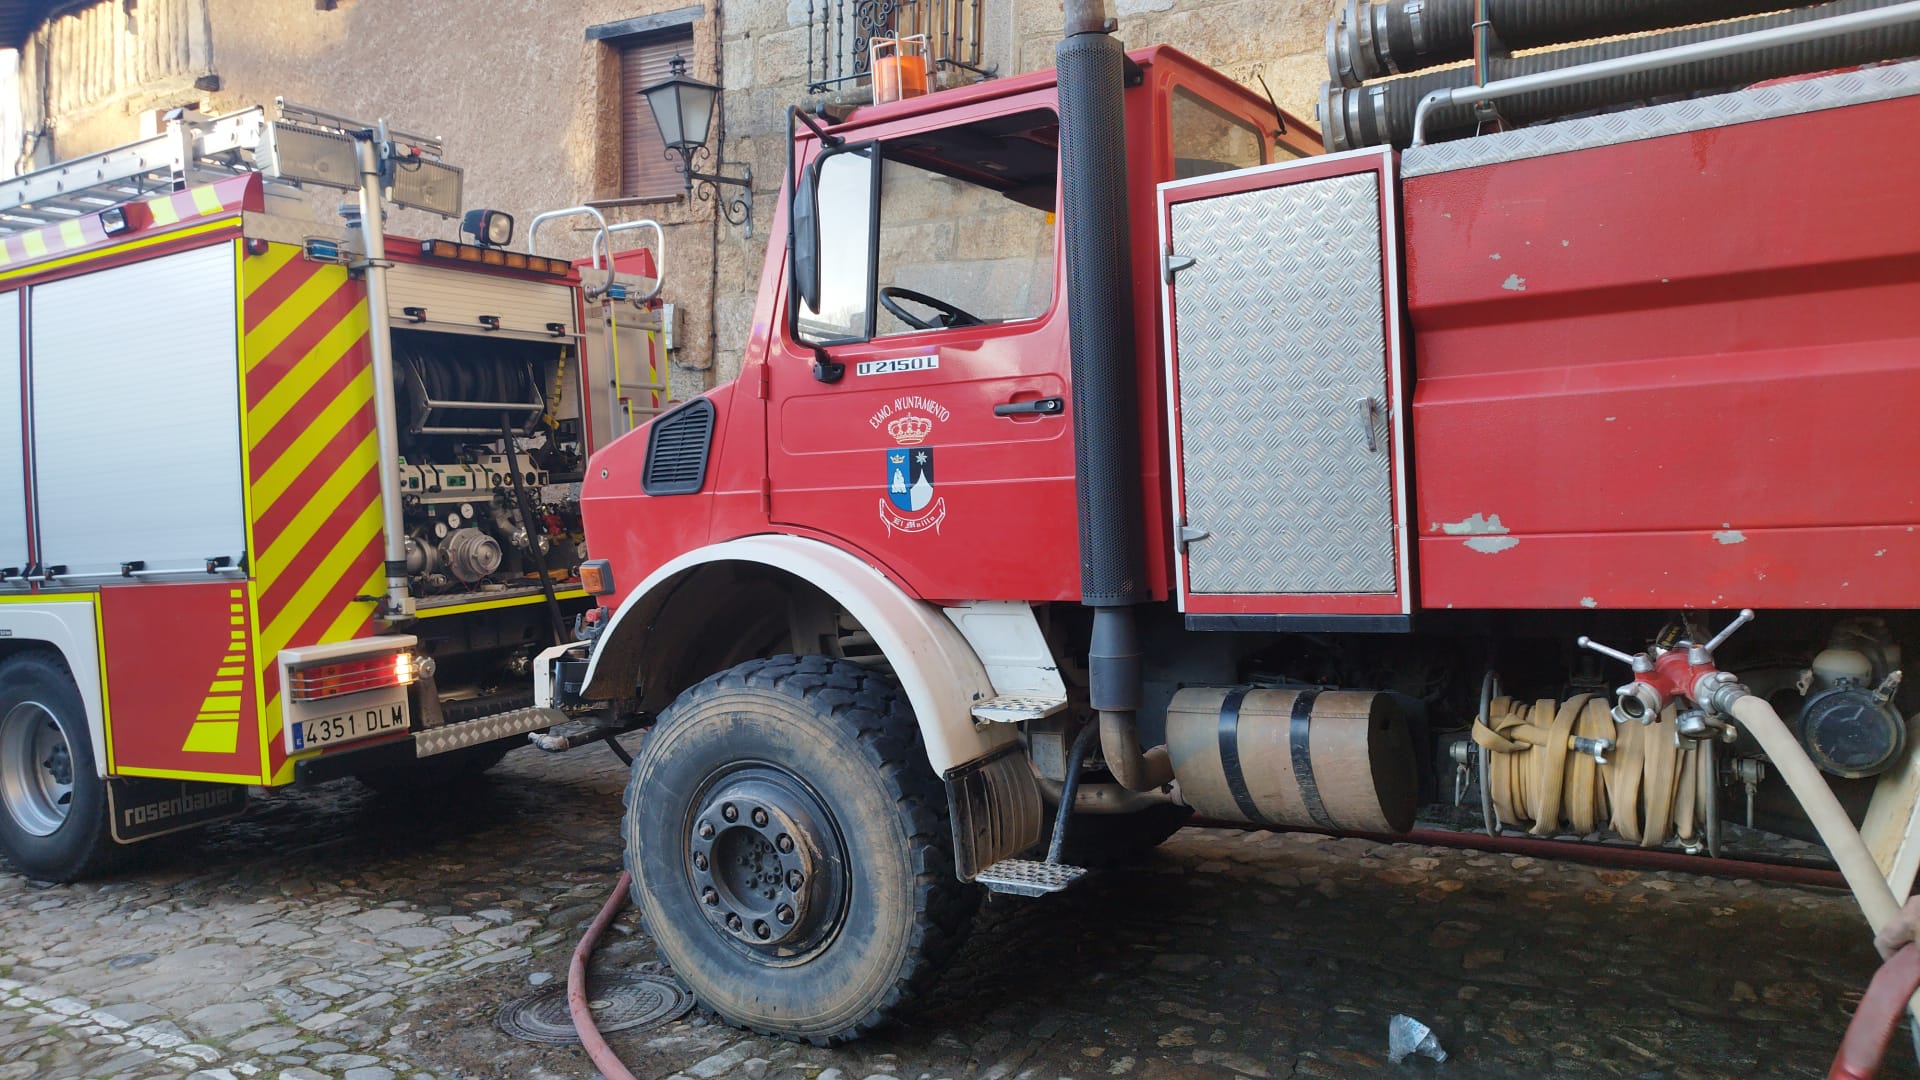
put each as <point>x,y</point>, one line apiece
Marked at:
<point>766,863</point>
<point>36,769</point>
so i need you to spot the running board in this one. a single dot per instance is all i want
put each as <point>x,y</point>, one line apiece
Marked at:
<point>450,737</point>
<point>1029,877</point>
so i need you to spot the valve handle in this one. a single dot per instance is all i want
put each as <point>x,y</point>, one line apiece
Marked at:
<point>1588,643</point>
<point>1719,639</point>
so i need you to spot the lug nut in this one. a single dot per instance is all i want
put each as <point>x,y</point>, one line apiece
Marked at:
<point>760,930</point>
<point>710,896</point>
<point>794,880</point>
<point>730,812</point>
<point>759,817</point>
<point>733,923</point>
<point>699,862</point>
<point>785,844</point>
<point>706,830</point>
<point>784,913</point>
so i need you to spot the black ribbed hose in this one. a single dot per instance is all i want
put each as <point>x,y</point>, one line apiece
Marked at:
<point>1372,40</point>
<point>1382,113</point>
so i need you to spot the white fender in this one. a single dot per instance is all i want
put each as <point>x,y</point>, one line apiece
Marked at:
<point>930,657</point>
<point>69,625</point>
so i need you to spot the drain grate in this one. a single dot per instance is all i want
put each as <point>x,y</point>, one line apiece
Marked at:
<point>619,1002</point>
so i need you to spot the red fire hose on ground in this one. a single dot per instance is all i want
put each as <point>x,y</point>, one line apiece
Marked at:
<point>597,1048</point>
<point>1877,1017</point>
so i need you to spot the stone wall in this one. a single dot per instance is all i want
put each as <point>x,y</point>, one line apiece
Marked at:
<point>529,106</point>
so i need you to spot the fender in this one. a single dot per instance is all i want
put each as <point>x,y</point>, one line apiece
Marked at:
<point>931,658</point>
<point>70,625</point>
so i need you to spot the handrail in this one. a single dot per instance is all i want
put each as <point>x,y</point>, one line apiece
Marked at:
<point>1854,22</point>
<point>533,228</point>
<point>659,245</point>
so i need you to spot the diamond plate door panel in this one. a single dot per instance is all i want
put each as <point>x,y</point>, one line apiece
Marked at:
<point>1284,410</point>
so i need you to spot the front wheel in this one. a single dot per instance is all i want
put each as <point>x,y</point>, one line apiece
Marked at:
<point>53,803</point>
<point>790,848</point>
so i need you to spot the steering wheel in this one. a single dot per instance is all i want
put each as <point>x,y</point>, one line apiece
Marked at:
<point>949,314</point>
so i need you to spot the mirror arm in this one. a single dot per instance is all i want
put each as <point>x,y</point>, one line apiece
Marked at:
<point>825,368</point>
<point>827,140</point>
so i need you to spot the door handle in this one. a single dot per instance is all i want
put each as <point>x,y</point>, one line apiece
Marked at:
<point>1369,408</point>
<point>1046,406</point>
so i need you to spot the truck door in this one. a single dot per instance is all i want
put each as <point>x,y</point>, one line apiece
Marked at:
<point>1283,313</point>
<point>917,406</point>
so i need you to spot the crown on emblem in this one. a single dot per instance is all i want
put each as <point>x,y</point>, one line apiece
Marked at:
<point>910,430</point>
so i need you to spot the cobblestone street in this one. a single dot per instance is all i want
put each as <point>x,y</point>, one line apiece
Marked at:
<point>335,934</point>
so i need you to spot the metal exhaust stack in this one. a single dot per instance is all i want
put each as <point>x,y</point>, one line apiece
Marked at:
<point>1093,164</point>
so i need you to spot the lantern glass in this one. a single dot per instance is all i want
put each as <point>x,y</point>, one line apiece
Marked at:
<point>683,109</point>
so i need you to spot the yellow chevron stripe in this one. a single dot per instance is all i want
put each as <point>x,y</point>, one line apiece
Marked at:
<point>71,235</point>
<point>35,244</point>
<point>163,211</point>
<point>274,482</point>
<point>213,737</point>
<point>324,504</point>
<point>207,200</point>
<point>324,577</point>
<point>292,314</point>
<point>295,384</point>
<point>259,268</point>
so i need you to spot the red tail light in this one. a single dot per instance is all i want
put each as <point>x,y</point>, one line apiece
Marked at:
<point>350,676</point>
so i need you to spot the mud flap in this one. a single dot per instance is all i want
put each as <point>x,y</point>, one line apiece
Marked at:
<point>995,807</point>
<point>141,809</point>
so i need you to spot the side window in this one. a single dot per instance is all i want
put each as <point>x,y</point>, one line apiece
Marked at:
<point>967,224</point>
<point>964,234</point>
<point>1208,139</point>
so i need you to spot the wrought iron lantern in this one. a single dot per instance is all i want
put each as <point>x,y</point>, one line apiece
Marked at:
<point>683,110</point>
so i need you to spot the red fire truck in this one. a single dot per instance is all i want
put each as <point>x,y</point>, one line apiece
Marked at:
<point>1106,451</point>
<point>279,499</point>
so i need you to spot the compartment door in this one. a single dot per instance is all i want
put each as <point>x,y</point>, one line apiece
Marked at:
<point>1283,319</point>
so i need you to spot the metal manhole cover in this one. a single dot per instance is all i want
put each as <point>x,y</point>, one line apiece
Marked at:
<point>619,1002</point>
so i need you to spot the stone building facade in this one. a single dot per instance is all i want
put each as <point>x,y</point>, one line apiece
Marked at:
<point>529,95</point>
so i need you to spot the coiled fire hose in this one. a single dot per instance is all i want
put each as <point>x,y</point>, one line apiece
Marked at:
<point>1647,789</point>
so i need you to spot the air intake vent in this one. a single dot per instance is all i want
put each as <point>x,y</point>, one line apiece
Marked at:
<point>677,446</point>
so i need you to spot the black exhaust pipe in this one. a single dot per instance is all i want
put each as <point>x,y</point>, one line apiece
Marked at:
<point>1382,113</point>
<point>1106,415</point>
<point>1372,39</point>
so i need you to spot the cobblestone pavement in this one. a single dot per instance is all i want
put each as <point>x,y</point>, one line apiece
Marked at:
<point>333,933</point>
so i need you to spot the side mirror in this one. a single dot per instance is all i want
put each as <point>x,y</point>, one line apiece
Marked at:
<point>803,233</point>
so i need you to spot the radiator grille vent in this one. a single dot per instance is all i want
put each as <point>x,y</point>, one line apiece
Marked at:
<point>677,445</point>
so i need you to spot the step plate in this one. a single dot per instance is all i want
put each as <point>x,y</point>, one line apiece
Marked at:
<point>1013,708</point>
<point>459,736</point>
<point>1029,877</point>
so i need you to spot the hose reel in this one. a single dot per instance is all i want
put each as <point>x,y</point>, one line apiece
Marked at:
<point>1553,767</point>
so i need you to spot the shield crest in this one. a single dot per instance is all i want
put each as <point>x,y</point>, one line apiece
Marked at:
<point>910,477</point>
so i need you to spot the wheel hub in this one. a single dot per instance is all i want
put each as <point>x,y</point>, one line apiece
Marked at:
<point>752,852</point>
<point>36,769</point>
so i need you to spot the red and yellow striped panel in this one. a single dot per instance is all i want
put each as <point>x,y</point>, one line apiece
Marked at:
<point>312,463</point>
<point>161,212</point>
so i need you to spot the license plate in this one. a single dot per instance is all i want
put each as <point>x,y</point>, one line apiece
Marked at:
<point>360,723</point>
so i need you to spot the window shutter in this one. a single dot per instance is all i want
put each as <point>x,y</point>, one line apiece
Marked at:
<point>644,168</point>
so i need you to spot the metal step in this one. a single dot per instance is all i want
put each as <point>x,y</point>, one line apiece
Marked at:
<point>1029,877</point>
<point>1013,708</point>
<point>459,736</point>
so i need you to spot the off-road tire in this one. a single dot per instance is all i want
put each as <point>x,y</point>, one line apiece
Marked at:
<point>848,736</point>
<point>82,846</point>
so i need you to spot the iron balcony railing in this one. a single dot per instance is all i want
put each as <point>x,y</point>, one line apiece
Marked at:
<point>841,31</point>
